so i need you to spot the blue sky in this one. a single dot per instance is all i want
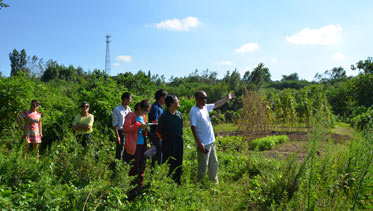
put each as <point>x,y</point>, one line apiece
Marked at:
<point>175,37</point>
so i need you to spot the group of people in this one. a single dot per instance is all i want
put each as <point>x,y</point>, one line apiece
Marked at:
<point>132,129</point>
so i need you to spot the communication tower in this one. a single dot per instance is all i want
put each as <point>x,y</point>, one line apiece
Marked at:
<point>107,59</point>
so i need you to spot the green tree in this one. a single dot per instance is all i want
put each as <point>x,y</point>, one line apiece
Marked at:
<point>206,76</point>
<point>260,75</point>
<point>35,65</point>
<point>331,76</point>
<point>291,77</point>
<point>3,5</point>
<point>337,73</point>
<point>56,71</point>
<point>232,79</point>
<point>246,77</point>
<point>18,62</point>
<point>157,79</point>
<point>366,65</point>
<point>51,71</point>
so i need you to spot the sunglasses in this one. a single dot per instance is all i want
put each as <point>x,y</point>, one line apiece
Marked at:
<point>203,98</point>
<point>35,105</point>
<point>84,106</point>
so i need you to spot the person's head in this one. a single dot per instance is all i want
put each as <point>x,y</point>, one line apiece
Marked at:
<point>160,96</point>
<point>172,102</point>
<point>142,107</point>
<point>201,98</point>
<point>35,105</point>
<point>84,107</point>
<point>126,98</point>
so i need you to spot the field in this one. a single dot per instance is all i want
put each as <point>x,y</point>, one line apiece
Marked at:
<point>305,148</point>
<point>307,172</point>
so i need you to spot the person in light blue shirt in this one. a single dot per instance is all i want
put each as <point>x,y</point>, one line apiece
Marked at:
<point>119,115</point>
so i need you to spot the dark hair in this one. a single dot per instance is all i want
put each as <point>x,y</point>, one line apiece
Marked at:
<point>170,99</point>
<point>160,93</point>
<point>143,105</point>
<point>84,103</point>
<point>137,106</point>
<point>197,94</point>
<point>125,95</point>
<point>35,102</point>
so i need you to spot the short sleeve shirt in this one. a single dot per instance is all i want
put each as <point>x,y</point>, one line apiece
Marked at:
<point>154,114</point>
<point>200,119</point>
<point>86,120</point>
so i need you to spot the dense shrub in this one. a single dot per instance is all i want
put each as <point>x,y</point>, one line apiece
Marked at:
<point>268,142</point>
<point>362,119</point>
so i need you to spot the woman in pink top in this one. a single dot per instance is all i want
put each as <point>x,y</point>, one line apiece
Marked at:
<point>31,126</point>
<point>136,130</point>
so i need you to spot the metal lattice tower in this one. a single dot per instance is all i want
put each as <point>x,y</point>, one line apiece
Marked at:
<point>107,58</point>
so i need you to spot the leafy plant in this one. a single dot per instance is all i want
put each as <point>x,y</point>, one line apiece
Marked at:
<point>268,142</point>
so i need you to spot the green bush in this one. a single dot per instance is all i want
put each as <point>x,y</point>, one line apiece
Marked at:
<point>268,142</point>
<point>362,120</point>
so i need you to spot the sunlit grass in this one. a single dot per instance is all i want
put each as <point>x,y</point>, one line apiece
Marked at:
<point>342,128</point>
<point>226,127</point>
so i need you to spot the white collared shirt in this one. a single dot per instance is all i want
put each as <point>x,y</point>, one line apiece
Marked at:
<point>119,115</point>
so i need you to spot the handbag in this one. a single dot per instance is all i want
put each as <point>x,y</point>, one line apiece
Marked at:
<point>149,153</point>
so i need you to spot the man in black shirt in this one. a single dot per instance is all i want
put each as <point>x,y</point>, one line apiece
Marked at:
<point>170,127</point>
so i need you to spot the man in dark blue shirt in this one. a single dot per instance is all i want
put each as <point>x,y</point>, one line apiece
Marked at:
<point>154,114</point>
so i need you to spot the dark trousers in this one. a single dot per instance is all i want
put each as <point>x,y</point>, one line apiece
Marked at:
<point>84,139</point>
<point>120,147</point>
<point>173,155</point>
<point>138,164</point>
<point>158,146</point>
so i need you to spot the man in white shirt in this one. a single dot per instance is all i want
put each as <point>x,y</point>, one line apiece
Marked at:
<point>119,115</point>
<point>204,134</point>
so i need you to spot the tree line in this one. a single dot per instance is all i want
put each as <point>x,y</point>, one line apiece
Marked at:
<point>349,96</point>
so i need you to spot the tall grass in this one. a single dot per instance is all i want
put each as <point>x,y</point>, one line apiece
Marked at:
<point>331,177</point>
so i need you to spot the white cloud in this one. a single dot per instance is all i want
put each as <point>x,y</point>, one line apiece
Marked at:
<point>338,56</point>
<point>116,64</point>
<point>123,58</point>
<point>248,47</point>
<point>274,60</point>
<point>179,25</point>
<point>224,63</point>
<point>327,35</point>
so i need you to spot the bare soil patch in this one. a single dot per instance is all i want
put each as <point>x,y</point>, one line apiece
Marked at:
<point>297,144</point>
<point>293,136</point>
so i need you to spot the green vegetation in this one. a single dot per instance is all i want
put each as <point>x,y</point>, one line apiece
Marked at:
<point>342,128</point>
<point>268,142</point>
<point>329,176</point>
<point>226,128</point>
<point>3,5</point>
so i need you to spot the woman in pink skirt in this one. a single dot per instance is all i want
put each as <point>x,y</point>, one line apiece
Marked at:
<point>31,126</point>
